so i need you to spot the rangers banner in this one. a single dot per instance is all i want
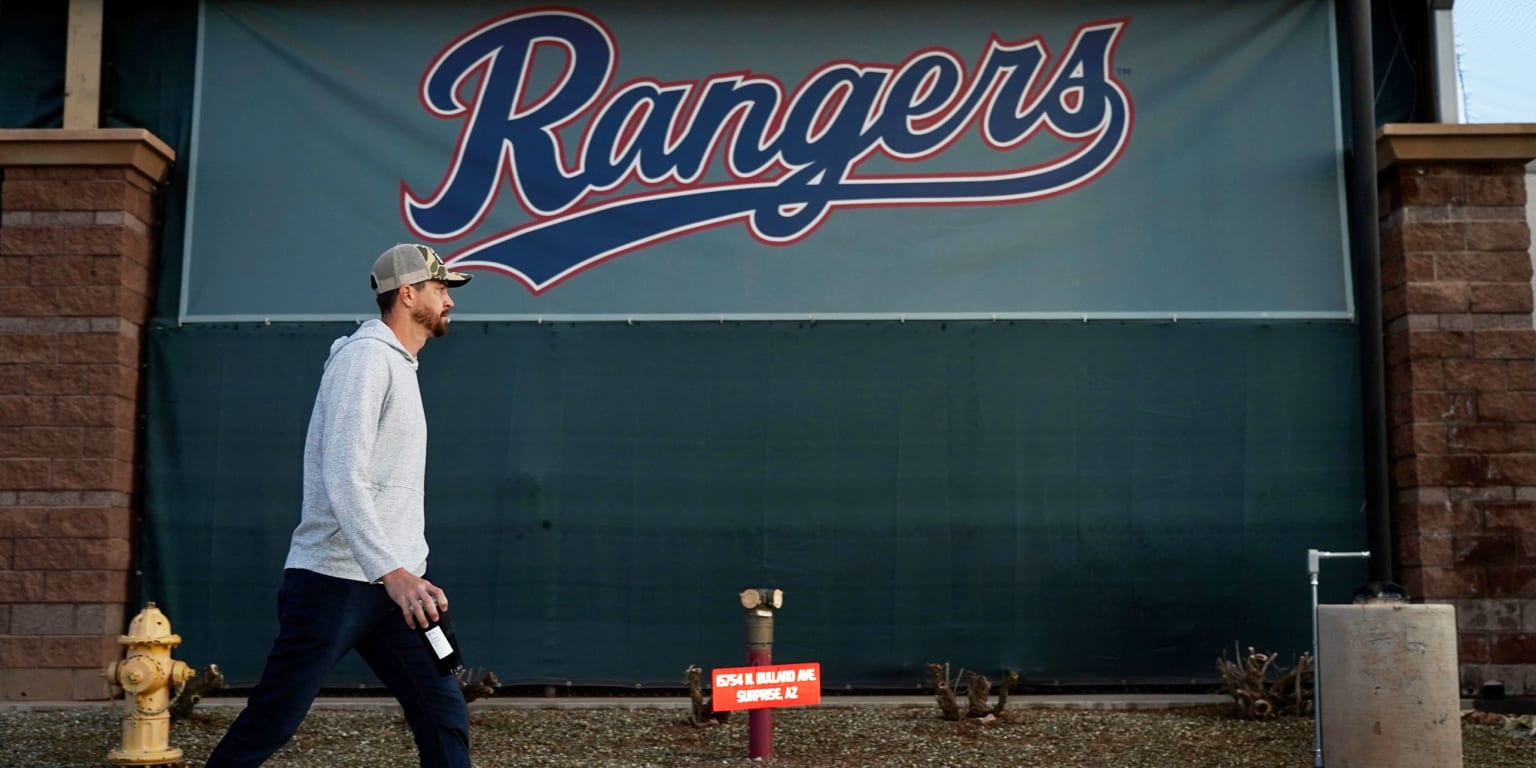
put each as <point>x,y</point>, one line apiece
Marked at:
<point>699,160</point>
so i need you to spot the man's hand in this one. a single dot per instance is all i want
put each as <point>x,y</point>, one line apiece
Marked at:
<point>419,600</point>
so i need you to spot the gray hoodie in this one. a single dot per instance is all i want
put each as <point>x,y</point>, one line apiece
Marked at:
<point>365,460</point>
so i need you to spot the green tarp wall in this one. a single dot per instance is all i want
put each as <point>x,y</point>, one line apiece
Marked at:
<point>1079,502</point>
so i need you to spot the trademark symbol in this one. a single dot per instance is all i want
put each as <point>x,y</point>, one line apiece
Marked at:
<point>1122,70</point>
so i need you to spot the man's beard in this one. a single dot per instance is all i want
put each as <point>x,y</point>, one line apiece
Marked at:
<point>437,324</point>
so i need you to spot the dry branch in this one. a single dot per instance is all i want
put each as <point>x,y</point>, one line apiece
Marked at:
<point>702,711</point>
<point>1262,689</point>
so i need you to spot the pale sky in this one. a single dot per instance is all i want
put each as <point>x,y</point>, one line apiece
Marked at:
<point>1496,56</point>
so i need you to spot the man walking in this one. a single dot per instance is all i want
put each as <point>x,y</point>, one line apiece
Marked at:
<point>355,575</point>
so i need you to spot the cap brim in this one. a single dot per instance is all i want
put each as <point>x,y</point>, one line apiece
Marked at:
<point>456,279</point>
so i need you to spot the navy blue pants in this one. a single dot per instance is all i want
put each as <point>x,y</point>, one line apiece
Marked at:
<point>322,618</point>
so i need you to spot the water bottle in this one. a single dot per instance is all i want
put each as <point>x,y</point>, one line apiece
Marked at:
<point>438,636</point>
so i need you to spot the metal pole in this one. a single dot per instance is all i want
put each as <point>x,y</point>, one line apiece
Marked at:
<point>1367,265</point>
<point>1314,566</point>
<point>760,604</point>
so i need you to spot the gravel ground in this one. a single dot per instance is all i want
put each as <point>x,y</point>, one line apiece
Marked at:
<point>827,736</point>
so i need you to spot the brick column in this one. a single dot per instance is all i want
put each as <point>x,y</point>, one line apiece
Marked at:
<point>77,252</point>
<point>1461,384</point>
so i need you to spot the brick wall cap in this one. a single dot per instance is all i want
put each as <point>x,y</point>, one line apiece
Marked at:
<point>134,147</point>
<point>1417,142</point>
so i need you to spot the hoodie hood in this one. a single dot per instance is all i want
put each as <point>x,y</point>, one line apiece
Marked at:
<point>372,330</point>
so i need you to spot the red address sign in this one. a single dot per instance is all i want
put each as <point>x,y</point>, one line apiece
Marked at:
<point>780,685</point>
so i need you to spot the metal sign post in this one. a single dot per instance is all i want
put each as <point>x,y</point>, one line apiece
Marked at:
<point>1314,565</point>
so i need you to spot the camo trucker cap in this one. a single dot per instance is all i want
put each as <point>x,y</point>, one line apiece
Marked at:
<point>410,263</point>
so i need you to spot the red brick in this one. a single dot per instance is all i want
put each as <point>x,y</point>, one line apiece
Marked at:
<point>1434,236</point>
<point>1522,374</point>
<point>1412,440</point>
<point>67,554</point>
<point>89,348</point>
<point>1394,270</point>
<point>134,276</point>
<point>13,379</point>
<point>30,241</point>
<point>89,685</point>
<point>1474,374</point>
<point>1518,344</point>
<point>23,411</point>
<point>31,348</point>
<point>1400,441</point>
<point>104,522</point>
<point>1423,519</point>
<point>64,196</point>
<point>1497,236</point>
<point>1512,468</point>
<point>1391,227</point>
<point>1419,267</point>
<point>1472,647</point>
<point>32,301</point>
<point>61,270</point>
<point>32,684</point>
<point>23,586</point>
<point>1432,298</point>
<point>1517,515</point>
<point>124,445</point>
<point>1513,648</point>
<point>98,300</point>
<point>23,474</point>
<point>1431,190</point>
<point>1521,438</point>
<point>1426,374</point>
<point>82,474</point>
<point>124,479</point>
<point>1443,406</point>
<point>86,586</point>
<point>1487,549</point>
<point>1501,189</point>
<point>89,411</point>
<point>1507,406</point>
<point>75,379</point>
<point>101,443</point>
<point>1477,438</point>
<point>1511,581</point>
<point>15,270</point>
<point>1501,297</point>
<point>1484,267</point>
<point>1440,344</point>
<point>23,522</point>
<point>1435,550</point>
<point>1394,303</point>
<point>19,651</point>
<point>53,442</point>
<point>78,651</point>
<point>133,307</point>
<point>1432,583</point>
<point>1459,470</point>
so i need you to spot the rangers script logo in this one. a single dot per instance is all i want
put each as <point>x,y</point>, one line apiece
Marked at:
<point>792,156</point>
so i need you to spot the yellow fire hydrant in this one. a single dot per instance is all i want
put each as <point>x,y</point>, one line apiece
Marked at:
<point>147,676</point>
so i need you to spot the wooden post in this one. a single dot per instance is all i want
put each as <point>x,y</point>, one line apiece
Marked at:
<point>82,66</point>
